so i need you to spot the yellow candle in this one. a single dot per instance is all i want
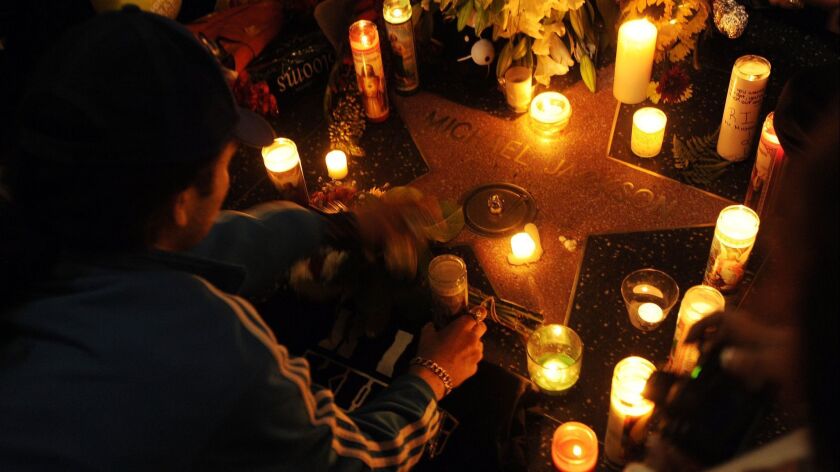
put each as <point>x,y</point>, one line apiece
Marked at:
<point>634,60</point>
<point>370,74</point>
<point>518,88</point>
<point>735,232</point>
<point>337,164</point>
<point>282,161</point>
<point>648,131</point>
<point>743,105</point>
<point>574,447</point>
<point>629,410</point>
<point>699,302</point>
<point>525,246</point>
<point>550,112</point>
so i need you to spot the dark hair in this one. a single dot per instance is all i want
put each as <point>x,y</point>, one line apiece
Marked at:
<point>53,208</point>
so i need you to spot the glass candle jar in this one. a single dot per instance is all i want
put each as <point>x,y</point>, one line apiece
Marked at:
<point>450,290</point>
<point>555,353</point>
<point>574,447</point>
<point>649,295</point>
<point>629,410</point>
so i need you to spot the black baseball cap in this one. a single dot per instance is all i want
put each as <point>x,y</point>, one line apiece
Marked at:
<point>129,87</point>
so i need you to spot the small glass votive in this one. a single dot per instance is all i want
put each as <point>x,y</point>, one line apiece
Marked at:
<point>282,162</point>
<point>648,131</point>
<point>649,295</point>
<point>574,447</point>
<point>518,88</point>
<point>555,353</point>
<point>450,289</point>
<point>550,113</point>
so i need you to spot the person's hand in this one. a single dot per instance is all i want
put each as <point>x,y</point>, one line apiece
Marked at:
<point>754,351</point>
<point>394,228</point>
<point>456,348</point>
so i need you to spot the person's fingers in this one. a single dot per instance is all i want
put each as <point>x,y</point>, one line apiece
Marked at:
<point>703,328</point>
<point>480,328</point>
<point>462,323</point>
<point>750,365</point>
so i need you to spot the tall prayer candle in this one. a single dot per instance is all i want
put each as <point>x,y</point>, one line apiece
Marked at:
<point>767,167</point>
<point>648,131</point>
<point>743,105</point>
<point>734,238</point>
<point>629,410</point>
<point>699,302</point>
<point>574,447</point>
<point>370,75</point>
<point>282,162</point>
<point>634,60</point>
<point>397,14</point>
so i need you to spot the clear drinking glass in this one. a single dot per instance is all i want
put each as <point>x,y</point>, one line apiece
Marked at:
<point>649,295</point>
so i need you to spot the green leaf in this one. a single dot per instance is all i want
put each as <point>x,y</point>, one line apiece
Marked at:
<point>577,24</point>
<point>504,60</point>
<point>587,72</point>
<point>451,225</point>
<point>464,14</point>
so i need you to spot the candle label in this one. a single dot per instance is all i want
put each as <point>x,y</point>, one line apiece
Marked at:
<point>401,37</point>
<point>741,112</point>
<point>626,435</point>
<point>767,166</point>
<point>726,265</point>
<point>370,76</point>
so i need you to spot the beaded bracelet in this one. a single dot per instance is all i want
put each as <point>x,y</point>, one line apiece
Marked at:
<point>437,370</point>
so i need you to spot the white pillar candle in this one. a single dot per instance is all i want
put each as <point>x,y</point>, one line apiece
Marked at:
<point>699,302</point>
<point>648,131</point>
<point>525,246</point>
<point>550,113</point>
<point>634,60</point>
<point>734,238</point>
<point>336,164</point>
<point>629,410</point>
<point>518,88</point>
<point>743,105</point>
<point>282,162</point>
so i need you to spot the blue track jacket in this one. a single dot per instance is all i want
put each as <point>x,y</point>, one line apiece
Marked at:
<point>156,361</point>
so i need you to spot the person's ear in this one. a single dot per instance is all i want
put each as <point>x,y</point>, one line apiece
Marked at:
<point>181,208</point>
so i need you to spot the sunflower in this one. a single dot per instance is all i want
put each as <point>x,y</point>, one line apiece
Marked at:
<point>674,86</point>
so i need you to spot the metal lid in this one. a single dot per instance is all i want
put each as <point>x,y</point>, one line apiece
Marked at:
<point>498,209</point>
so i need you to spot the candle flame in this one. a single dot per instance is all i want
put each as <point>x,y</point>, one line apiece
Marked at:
<point>523,245</point>
<point>577,450</point>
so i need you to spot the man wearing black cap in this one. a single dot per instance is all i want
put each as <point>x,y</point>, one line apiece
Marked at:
<point>120,351</point>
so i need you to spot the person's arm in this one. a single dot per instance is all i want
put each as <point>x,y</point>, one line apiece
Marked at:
<point>265,241</point>
<point>283,422</point>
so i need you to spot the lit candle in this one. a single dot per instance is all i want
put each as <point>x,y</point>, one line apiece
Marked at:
<point>554,358</point>
<point>629,410</point>
<point>337,164</point>
<point>282,161</point>
<point>525,246</point>
<point>550,113</point>
<point>634,60</point>
<point>370,74</point>
<point>743,105</point>
<point>574,447</point>
<point>699,302</point>
<point>648,131</point>
<point>767,167</point>
<point>651,313</point>
<point>734,238</point>
<point>518,88</point>
<point>649,295</point>
<point>397,14</point>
